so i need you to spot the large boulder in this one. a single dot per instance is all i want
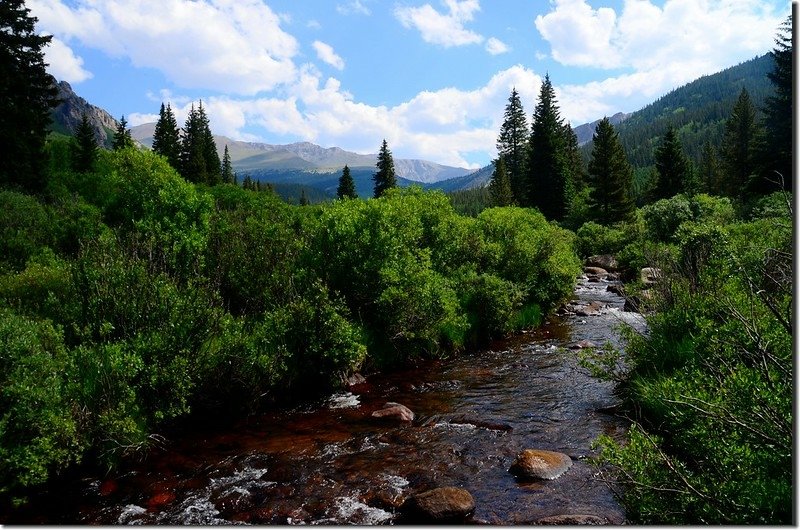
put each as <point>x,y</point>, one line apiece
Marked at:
<point>604,261</point>
<point>650,276</point>
<point>540,464</point>
<point>392,410</point>
<point>440,505</point>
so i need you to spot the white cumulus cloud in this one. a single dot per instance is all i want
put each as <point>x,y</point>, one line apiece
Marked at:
<point>443,29</point>
<point>327,55</point>
<point>495,46</point>
<point>63,64</point>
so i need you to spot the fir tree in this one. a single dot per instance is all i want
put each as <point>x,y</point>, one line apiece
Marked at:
<point>303,198</point>
<point>122,136</point>
<point>709,172</point>
<point>610,177</point>
<point>512,145</point>
<point>347,187</point>
<point>674,171</point>
<point>575,165</point>
<point>166,137</point>
<point>547,168</point>
<point>775,152</point>
<point>84,147</point>
<point>213,166</point>
<point>227,167</point>
<point>500,185</point>
<point>738,146</point>
<point>27,94</point>
<point>385,177</point>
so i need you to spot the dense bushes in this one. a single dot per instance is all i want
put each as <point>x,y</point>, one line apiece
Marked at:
<point>712,381</point>
<point>130,298</point>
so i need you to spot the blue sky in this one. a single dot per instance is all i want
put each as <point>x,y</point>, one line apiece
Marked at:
<point>431,76</point>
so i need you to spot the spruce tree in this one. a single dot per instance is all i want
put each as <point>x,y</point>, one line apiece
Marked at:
<point>122,136</point>
<point>775,152</point>
<point>166,137</point>
<point>84,147</point>
<point>738,145</point>
<point>27,95</point>
<point>575,165</point>
<point>674,171</point>
<point>385,177</point>
<point>213,166</point>
<point>227,167</point>
<point>512,145</point>
<point>347,186</point>
<point>303,198</point>
<point>709,172</point>
<point>547,168</point>
<point>610,177</point>
<point>500,185</point>
<point>193,166</point>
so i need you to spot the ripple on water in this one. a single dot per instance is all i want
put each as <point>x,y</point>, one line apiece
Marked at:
<point>343,400</point>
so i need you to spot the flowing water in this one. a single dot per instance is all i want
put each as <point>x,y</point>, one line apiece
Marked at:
<point>332,463</point>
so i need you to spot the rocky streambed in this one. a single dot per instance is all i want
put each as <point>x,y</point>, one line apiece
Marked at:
<point>453,448</point>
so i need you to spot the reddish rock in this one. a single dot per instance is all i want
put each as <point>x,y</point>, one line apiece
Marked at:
<point>441,505</point>
<point>394,410</point>
<point>108,487</point>
<point>581,345</point>
<point>595,271</point>
<point>540,464</point>
<point>160,499</point>
<point>572,520</point>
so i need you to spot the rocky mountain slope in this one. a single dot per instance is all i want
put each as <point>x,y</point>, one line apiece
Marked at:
<point>68,114</point>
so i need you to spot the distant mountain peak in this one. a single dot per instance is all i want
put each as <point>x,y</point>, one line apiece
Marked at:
<point>68,114</point>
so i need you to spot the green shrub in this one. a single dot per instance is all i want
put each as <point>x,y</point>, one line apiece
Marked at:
<point>25,228</point>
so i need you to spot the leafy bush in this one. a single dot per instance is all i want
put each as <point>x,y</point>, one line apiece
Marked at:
<point>25,228</point>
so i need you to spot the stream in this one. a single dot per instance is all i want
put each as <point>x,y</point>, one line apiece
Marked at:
<point>331,462</point>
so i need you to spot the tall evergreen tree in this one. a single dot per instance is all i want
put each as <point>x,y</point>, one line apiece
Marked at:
<point>27,94</point>
<point>674,171</point>
<point>610,177</point>
<point>709,172</point>
<point>213,166</point>
<point>500,185</point>
<point>227,167</point>
<point>547,167</point>
<point>192,166</point>
<point>303,197</point>
<point>84,147</point>
<point>512,145</point>
<point>347,186</point>
<point>166,137</point>
<point>738,144</point>
<point>574,161</point>
<point>385,177</point>
<point>122,136</point>
<point>775,153</point>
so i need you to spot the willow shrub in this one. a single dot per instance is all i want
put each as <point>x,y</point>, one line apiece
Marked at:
<point>713,382</point>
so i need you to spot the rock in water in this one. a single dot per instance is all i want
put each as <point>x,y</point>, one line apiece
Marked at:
<point>540,464</point>
<point>441,505</point>
<point>604,261</point>
<point>394,410</point>
<point>573,520</point>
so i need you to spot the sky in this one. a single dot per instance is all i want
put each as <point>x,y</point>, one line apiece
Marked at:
<point>432,77</point>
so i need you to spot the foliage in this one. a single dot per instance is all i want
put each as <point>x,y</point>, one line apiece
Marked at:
<point>547,172</point>
<point>84,147</point>
<point>347,187</point>
<point>27,93</point>
<point>166,137</point>
<point>122,136</point>
<point>674,171</point>
<point>500,185</point>
<point>199,160</point>
<point>738,145</point>
<point>512,146</point>
<point>610,177</point>
<point>385,177</point>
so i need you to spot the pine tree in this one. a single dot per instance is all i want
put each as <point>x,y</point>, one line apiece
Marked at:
<point>27,94</point>
<point>500,185</point>
<point>227,167</point>
<point>213,166</point>
<point>166,137</point>
<point>193,165</point>
<point>122,136</point>
<point>512,145</point>
<point>709,172</point>
<point>84,147</point>
<point>738,146</point>
<point>775,152</point>
<point>303,198</point>
<point>574,160</point>
<point>547,168</point>
<point>674,171</point>
<point>385,177</point>
<point>347,187</point>
<point>610,177</point>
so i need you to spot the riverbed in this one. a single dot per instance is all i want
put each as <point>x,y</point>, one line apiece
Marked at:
<point>331,462</point>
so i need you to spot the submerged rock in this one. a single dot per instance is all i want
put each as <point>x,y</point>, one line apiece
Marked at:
<point>582,345</point>
<point>440,505</point>
<point>571,520</point>
<point>394,410</point>
<point>540,464</point>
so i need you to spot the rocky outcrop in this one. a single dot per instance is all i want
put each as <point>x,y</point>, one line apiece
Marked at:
<point>603,261</point>
<point>69,112</point>
<point>440,505</point>
<point>540,464</point>
<point>392,410</point>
